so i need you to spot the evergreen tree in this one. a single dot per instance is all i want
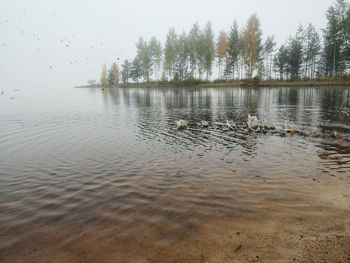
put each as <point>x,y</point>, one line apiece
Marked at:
<point>335,41</point>
<point>209,50</point>
<point>268,50</point>
<point>136,70</point>
<point>126,71</point>
<point>281,61</point>
<point>312,50</point>
<point>190,56</point>
<point>233,50</point>
<point>295,54</point>
<point>201,55</point>
<point>346,39</point>
<point>113,74</point>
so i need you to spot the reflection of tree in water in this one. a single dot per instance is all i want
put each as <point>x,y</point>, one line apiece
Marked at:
<point>150,114</point>
<point>335,153</point>
<point>335,105</point>
<point>290,97</point>
<point>110,96</point>
<point>155,112</point>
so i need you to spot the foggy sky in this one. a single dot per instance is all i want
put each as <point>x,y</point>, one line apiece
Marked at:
<point>59,44</point>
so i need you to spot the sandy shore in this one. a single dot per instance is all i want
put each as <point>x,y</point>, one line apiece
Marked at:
<point>305,222</point>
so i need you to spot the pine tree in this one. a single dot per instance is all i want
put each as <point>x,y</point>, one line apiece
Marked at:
<point>268,50</point>
<point>136,70</point>
<point>295,53</point>
<point>209,50</point>
<point>113,74</point>
<point>281,61</point>
<point>312,50</point>
<point>233,50</point>
<point>335,41</point>
<point>346,39</point>
<point>126,67</point>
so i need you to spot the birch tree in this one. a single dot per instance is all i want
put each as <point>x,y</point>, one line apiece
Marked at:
<point>221,50</point>
<point>103,78</point>
<point>252,45</point>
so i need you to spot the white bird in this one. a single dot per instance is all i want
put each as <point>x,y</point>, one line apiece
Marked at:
<point>181,124</point>
<point>289,126</point>
<point>204,124</point>
<point>253,122</point>
<point>231,126</point>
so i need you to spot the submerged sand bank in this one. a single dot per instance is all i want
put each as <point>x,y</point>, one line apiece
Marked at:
<point>255,220</point>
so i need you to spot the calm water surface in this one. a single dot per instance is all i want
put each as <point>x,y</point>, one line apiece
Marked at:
<point>109,167</point>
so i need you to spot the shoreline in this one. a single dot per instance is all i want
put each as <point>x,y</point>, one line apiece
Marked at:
<point>229,84</point>
<point>274,220</point>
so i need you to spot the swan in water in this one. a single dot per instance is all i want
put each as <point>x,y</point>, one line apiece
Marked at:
<point>203,124</point>
<point>253,122</point>
<point>259,125</point>
<point>289,126</point>
<point>181,124</point>
<point>230,125</point>
<point>335,135</point>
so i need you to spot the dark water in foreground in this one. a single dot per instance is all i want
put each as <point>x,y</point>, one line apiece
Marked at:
<point>109,170</point>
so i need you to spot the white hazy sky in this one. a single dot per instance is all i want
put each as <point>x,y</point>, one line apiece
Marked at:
<point>61,43</point>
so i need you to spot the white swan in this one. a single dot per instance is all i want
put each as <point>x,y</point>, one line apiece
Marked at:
<point>181,124</point>
<point>289,126</point>
<point>253,122</point>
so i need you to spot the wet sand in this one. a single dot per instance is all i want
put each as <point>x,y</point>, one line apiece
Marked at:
<point>256,220</point>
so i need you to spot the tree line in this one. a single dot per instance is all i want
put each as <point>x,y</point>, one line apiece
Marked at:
<point>241,53</point>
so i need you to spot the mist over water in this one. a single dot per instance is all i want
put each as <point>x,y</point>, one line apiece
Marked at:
<point>60,44</point>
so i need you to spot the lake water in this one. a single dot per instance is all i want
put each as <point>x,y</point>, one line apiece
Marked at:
<point>103,175</point>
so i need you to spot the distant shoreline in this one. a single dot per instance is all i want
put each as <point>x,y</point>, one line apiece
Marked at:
<point>227,84</point>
